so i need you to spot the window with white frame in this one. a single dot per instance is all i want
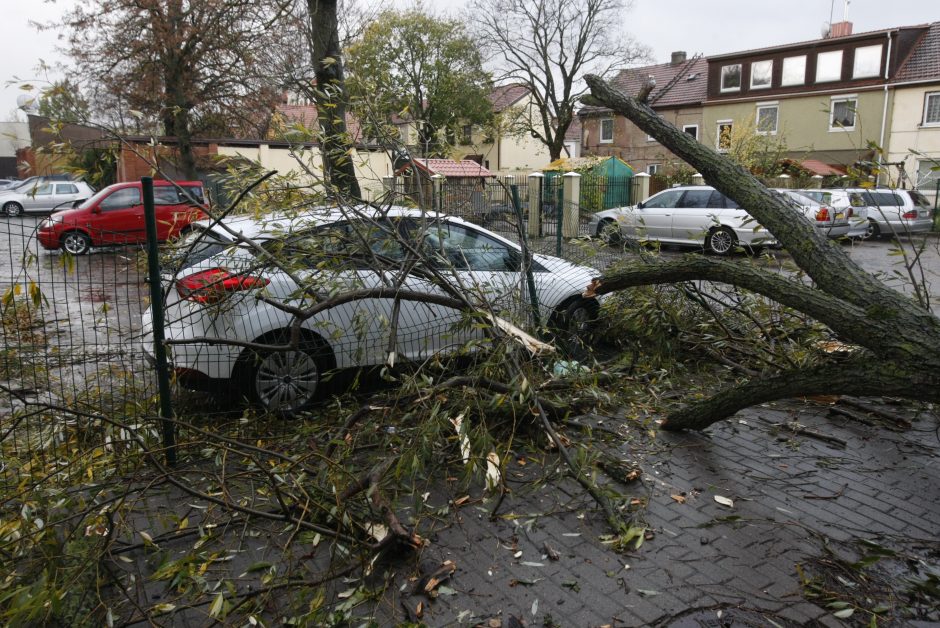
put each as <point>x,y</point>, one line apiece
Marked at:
<point>829,66</point>
<point>607,130</point>
<point>767,118</point>
<point>691,129</point>
<point>652,169</point>
<point>928,174</point>
<point>723,139</point>
<point>932,109</point>
<point>842,114</point>
<point>761,74</point>
<point>731,78</point>
<point>794,71</point>
<point>867,62</point>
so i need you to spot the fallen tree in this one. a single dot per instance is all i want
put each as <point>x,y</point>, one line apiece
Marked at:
<point>897,339</point>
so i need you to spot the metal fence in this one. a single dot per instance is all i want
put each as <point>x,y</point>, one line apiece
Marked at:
<point>70,350</point>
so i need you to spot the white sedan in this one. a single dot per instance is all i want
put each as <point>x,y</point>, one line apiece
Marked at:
<point>215,296</point>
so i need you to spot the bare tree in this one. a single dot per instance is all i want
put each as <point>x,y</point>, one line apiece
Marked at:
<point>191,65</point>
<point>548,45</point>
<point>897,349</point>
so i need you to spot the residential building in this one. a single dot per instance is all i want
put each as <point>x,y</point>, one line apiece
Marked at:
<point>680,89</point>
<point>914,140</point>
<point>825,99</point>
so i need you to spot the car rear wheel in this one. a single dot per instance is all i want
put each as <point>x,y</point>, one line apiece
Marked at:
<point>572,325</point>
<point>873,232</point>
<point>76,243</point>
<point>13,209</point>
<point>721,241</point>
<point>285,382</point>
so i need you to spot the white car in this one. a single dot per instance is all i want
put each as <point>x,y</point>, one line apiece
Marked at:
<point>690,215</point>
<point>42,195</point>
<point>215,292</point>
<point>830,221</point>
<point>852,204</point>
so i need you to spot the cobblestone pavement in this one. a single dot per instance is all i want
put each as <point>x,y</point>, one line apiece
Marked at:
<point>708,564</point>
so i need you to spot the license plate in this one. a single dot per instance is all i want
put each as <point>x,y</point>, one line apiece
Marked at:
<point>840,215</point>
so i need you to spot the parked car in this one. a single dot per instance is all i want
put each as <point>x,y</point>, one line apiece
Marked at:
<point>213,293</point>
<point>894,212</point>
<point>689,215</point>
<point>41,194</point>
<point>115,215</point>
<point>853,204</point>
<point>830,221</point>
<point>8,183</point>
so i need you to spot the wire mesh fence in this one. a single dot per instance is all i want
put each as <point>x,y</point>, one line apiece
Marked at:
<point>71,346</point>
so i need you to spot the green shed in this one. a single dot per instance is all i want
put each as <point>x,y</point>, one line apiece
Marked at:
<point>605,181</point>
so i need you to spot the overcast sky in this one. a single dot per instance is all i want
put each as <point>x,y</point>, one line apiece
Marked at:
<point>705,26</point>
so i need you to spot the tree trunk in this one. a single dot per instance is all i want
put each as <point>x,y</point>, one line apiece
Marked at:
<point>901,340</point>
<point>331,97</point>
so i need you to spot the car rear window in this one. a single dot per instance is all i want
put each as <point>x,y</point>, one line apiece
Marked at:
<point>886,199</point>
<point>919,199</point>
<point>194,247</point>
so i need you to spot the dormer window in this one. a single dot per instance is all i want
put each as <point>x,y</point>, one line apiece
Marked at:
<point>829,66</point>
<point>794,71</point>
<point>867,62</point>
<point>731,78</point>
<point>761,74</point>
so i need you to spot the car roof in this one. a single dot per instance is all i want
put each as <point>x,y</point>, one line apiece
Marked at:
<point>277,224</point>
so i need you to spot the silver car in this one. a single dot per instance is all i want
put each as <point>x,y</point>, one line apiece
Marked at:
<point>830,221</point>
<point>39,195</point>
<point>852,204</point>
<point>895,212</point>
<point>689,215</point>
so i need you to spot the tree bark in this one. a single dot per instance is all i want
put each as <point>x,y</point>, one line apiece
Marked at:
<point>902,339</point>
<point>336,145</point>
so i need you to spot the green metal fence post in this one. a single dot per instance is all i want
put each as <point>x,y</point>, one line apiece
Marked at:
<point>526,256</point>
<point>156,309</point>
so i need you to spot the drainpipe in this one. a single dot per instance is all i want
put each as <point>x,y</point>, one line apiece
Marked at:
<point>884,110</point>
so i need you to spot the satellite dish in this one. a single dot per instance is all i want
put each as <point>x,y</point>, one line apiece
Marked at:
<point>27,102</point>
<point>825,30</point>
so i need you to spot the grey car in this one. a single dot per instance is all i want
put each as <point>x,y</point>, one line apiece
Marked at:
<point>42,195</point>
<point>894,212</point>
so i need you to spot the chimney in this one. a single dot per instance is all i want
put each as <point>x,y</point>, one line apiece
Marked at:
<point>678,57</point>
<point>840,29</point>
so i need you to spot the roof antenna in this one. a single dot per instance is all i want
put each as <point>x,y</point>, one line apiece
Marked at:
<point>845,11</point>
<point>832,5</point>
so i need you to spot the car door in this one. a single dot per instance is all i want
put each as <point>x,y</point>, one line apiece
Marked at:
<point>652,219</point>
<point>38,197</point>
<point>65,195</point>
<point>118,218</point>
<point>696,211</point>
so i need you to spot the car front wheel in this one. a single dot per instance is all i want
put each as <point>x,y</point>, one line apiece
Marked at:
<point>13,209</point>
<point>76,243</point>
<point>286,382</point>
<point>609,231</point>
<point>721,241</point>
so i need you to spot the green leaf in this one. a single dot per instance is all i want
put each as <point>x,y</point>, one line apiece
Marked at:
<point>218,604</point>
<point>845,613</point>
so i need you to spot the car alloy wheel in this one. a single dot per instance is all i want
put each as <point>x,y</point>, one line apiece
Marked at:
<point>721,241</point>
<point>13,209</point>
<point>286,381</point>
<point>872,232</point>
<point>76,243</point>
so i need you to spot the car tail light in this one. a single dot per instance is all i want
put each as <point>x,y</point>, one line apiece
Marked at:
<point>211,286</point>
<point>849,212</point>
<point>910,215</point>
<point>822,214</point>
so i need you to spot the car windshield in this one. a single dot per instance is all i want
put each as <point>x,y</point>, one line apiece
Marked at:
<point>94,199</point>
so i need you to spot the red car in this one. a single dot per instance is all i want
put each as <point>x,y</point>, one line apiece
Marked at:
<point>115,215</point>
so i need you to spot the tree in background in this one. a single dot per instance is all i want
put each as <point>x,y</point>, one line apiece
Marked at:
<point>548,45</point>
<point>63,101</point>
<point>196,66</point>
<point>423,69</point>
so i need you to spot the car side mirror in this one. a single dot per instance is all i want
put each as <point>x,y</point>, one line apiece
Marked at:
<point>96,209</point>
<point>640,205</point>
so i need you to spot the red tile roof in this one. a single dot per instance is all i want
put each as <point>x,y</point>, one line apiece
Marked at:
<point>817,167</point>
<point>307,116</point>
<point>688,88</point>
<point>504,96</point>
<point>449,168</point>
<point>924,62</point>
